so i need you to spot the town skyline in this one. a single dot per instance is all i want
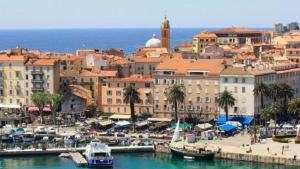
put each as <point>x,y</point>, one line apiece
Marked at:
<point>33,14</point>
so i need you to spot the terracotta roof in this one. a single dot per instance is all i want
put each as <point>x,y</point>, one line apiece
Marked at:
<point>205,35</point>
<point>134,78</point>
<point>234,30</point>
<point>41,62</point>
<point>106,73</point>
<point>16,58</point>
<point>185,45</point>
<point>288,71</point>
<point>246,71</point>
<point>81,92</point>
<point>182,66</point>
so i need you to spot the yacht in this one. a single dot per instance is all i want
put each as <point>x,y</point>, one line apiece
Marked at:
<point>98,154</point>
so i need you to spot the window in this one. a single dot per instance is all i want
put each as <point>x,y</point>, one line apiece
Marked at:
<point>225,79</point>
<point>207,99</point>
<point>156,81</point>
<point>118,93</point>
<point>243,80</point>
<point>243,89</point>
<point>235,109</point>
<point>124,84</point>
<point>26,77</point>
<point>198,99</point>
<point>109,92</point>
<point>235,89</point>
<point>118,84</point>
<point>118,101</point>
<point>10,92</point>
<point>236,80</point>
<point>147,85</point>
<point>124,109</point>
<point>17,74</point>
<point>109,101</point>
<point>27,93</point>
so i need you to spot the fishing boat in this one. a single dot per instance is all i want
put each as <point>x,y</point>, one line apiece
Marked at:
<point>98,154</point>
<point>179,149</point>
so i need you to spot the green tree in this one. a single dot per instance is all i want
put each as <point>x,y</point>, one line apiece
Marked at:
<point>225,101</point>
<point>272,112</point>
<point>40,100</point>
<point>286,93</point>
<point>294,107</point>
<point>255,129</point>
<point>175,95</point>
<point>131,96</point>
<point>55,100</point>
<point>261,90</point>
<point>274,91</point>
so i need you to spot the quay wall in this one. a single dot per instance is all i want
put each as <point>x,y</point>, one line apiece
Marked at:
<point>57,151</point>
<point>258,158</point>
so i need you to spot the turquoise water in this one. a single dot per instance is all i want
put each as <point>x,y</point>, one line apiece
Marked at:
<point>132,161</point>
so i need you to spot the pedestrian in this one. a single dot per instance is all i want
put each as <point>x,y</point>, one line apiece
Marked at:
<point>282,150</point>
<point>268,149</point>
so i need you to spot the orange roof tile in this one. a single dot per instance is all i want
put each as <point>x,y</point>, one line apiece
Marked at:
<point>134,78</point>
<point>41,62</point>
<point>234,30</point>
<point>205,35</point>
<point>15,58</point>
<point>182,66</point>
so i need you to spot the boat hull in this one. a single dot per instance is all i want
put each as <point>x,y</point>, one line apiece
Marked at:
<point>100,163</point>
<point>197,156</point>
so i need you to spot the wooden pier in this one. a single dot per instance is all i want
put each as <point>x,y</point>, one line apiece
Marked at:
<point>78,159</point>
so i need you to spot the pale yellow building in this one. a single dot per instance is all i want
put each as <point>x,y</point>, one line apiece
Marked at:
<point>12,81</point>
<point>202,40</point>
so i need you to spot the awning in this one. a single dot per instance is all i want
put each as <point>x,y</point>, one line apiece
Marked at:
<point>204,126</point>
<point>106,123</point>
<point>159,119</point>
<point>33,108</point>
<point>120,117</point>
<point>244,120</point>
<point>142,123</point>
<point>46,109</point>
<point>122,123</point>
<point>227,127</point>
<point>222,119</point>
<point>181,125</point>
<point>10,106</point>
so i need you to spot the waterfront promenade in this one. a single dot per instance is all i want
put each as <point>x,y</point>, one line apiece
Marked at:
<point>239,148</point>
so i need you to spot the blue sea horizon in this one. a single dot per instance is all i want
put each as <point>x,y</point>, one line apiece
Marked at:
<point>69,40</point>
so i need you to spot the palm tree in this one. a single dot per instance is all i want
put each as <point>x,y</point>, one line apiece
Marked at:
<point>225,101</point>
<point>261,89</point>
<point>286,93</point>
<point>294,107</point>
<point>131,96</point>
<point>274,91</point>
<point>272,112</point>
<point>55,101</point>
<point>175,94</point>
<point>40,100</point>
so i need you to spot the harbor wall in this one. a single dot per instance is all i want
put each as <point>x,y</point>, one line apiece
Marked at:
<point>258,158</point>
<point>57,151</point>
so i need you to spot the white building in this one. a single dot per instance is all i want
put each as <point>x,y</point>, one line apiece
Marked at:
<point>240,81</point>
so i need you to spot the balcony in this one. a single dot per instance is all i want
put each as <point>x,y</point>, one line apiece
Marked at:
<point>37,72</point>
<point>37,89</point>
<point>37,80</point>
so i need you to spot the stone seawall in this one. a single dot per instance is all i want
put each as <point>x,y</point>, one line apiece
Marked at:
<point>258,158</point>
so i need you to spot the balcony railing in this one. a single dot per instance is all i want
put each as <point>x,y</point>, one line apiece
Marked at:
<point>37,72</point>
<point>37,80</point>
<point>37,89</point>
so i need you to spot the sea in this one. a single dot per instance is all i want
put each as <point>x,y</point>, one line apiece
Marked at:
<point>133,161</point>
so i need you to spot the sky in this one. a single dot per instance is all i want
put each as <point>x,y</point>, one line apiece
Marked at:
<point>40,14</point>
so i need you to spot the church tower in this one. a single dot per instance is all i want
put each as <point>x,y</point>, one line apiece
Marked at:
<point>165,33</point>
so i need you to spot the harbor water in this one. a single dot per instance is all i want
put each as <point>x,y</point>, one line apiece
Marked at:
<point>133,161</point>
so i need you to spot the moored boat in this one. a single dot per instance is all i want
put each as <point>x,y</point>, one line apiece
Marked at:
<point>179,149</point>
<point>28,137</point>
<point>98,154</point>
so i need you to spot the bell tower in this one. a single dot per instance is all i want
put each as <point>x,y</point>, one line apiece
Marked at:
<point>165,33</point>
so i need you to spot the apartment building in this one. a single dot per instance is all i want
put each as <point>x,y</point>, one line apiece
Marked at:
<point>41,75</point>
<point>201,81</point>
<point>113,96</point>
<point>240,81</point>
<point>12,81</point>
<point>202,40</point>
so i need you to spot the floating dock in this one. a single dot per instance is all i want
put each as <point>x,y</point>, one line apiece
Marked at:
<point>78,159</point>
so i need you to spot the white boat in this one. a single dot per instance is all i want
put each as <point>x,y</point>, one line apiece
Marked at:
<point>40,130</point>
<point>51,131</point>
<point>28,137</point>
<point>98,154</point>
<point>65,155</point>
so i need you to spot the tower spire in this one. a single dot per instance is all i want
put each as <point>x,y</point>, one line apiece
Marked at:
<point>165,33</point>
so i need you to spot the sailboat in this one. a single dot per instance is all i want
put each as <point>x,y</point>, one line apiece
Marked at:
<point>179,149</point>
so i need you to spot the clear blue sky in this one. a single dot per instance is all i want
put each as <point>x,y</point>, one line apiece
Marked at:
<point>18,14</point>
